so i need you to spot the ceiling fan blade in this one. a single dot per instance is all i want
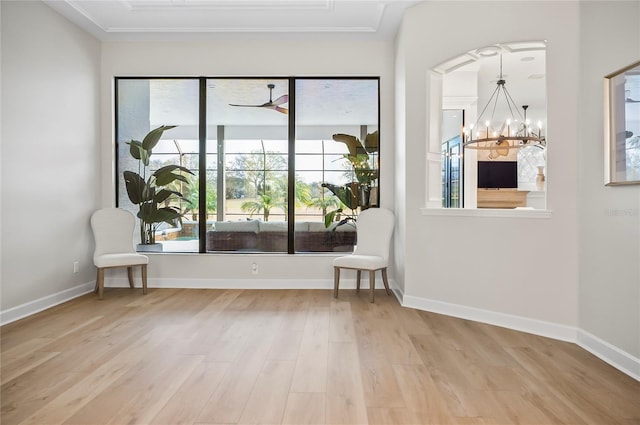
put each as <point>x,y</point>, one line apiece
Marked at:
<point>281,100</point>
<point>247,106</point>
<point>270,104</point>
<point>278,101</point>
<point>277,108</point>
<point>265,105</point>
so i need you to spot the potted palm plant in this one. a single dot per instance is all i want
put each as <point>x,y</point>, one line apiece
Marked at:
<point>151,191</point>
<point>357,193</point>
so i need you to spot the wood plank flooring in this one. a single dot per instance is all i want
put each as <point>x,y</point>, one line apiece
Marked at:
<point>188,356</point>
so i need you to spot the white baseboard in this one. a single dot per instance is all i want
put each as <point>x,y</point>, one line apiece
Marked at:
<point>236,283</point>
<point>617,358</point>
<point>397,291</point>
<point>518,323</point>
<point>33,307</point>
<point>123,282</point>
<point>608,353</point>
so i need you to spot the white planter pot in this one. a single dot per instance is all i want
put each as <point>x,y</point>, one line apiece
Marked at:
<point>156,247</point>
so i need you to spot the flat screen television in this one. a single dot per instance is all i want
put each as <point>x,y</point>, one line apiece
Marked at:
<point>498,174</point>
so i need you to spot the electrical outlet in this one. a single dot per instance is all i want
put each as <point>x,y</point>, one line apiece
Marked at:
<point>76,266</point>
<point>254,268</point>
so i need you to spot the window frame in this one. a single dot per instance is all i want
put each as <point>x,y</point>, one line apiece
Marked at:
<point>202,139</point>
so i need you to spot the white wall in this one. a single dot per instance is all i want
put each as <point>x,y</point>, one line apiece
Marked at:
<point>400,176</point>
<point>524,267</point>
<point>273,56</point>
<point>577,271</point>
<point>50,152</point>
<point>579,268</point>
<point>609,216</point>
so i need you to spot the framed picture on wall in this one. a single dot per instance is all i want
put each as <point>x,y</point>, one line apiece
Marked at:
<point>622,126</point>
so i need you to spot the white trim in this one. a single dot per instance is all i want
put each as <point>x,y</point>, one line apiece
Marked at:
<point>518,323</point>
<point>36,306</point>
<point>611,354</point>
<point>217,30</point>
<point>614,356</point>
<point>256,5</point>
<point>486,212</point>
<point>398,292</point>
<point>458,102</point>
<point>123,282</point>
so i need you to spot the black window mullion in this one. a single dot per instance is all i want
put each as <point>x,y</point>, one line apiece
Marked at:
<point>202,168</point>
<point>379,147</point>
<point>116,147</point>
<point>291,174</point>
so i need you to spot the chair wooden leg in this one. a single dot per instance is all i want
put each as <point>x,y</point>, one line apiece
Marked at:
<point>144,279</point>
<point>130,275</point>
<point>100,282</point>
<point>385,280</point>
<point>336,281</point>
<point>358,274</point>
<point>372,284</point>
<point>95,289</point>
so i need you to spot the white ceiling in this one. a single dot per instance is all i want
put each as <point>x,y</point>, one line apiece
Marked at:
<point>112,20</point>
<point>333,102</point>
<point>138,20</point>
<point>135,20</point>
<point>475,75</point>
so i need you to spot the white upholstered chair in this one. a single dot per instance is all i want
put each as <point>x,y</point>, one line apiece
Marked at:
<point>113,233</point>
<point>375,228</point>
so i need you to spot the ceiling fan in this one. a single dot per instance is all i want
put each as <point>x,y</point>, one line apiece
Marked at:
<point>271,104</point>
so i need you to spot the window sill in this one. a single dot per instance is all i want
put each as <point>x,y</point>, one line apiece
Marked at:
<point>486,212</point>
<point>249,254</point>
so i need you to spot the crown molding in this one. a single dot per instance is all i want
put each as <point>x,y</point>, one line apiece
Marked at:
<point>135,19</point>
<point>245,5</point>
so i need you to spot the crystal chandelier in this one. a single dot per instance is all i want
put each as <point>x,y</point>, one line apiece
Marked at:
<point>500,137</point>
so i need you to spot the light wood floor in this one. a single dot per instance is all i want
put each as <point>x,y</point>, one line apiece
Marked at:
<point>292,357</point>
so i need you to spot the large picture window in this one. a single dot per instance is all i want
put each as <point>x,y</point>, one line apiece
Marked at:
<point>279,164</point>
